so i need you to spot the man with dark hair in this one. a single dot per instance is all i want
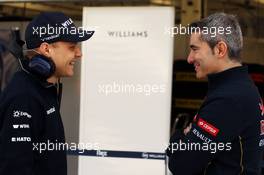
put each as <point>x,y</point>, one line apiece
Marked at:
<point>32,140</point>
<point>226,136</point>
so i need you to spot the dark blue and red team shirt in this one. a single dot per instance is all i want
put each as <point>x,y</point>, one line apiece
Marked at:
<point>228,130</point>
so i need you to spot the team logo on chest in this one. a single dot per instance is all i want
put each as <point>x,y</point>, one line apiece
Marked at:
<point>51,110</point>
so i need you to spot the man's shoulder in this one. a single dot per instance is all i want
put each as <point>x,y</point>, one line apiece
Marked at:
<point>239,100</point>
<point>237,91</point>
<point>21,85</point>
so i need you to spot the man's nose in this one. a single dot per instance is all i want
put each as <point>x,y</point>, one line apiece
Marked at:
<point>78,52</point>
<point>190,58</point>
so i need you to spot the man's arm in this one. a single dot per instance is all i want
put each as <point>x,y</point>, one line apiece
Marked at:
<point>215,125</point>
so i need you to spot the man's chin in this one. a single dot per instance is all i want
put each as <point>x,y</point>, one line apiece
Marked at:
<point>200,76</point>
<point>69,74</point>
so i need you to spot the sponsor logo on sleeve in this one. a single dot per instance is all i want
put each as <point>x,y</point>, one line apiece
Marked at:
<point>207,127</point>
<point>201,136</point>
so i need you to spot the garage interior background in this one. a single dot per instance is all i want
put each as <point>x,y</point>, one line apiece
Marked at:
<point>187,91</point>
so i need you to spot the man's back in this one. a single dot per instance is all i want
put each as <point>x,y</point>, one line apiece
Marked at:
<point>240,123</point>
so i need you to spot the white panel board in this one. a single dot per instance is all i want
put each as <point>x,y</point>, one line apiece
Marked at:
<point>126,87</point>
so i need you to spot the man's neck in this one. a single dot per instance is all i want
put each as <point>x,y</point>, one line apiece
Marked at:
<point>53,79</point>
<point>230,64</point>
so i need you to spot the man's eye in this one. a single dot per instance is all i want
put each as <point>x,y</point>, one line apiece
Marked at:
<point>72,47</point>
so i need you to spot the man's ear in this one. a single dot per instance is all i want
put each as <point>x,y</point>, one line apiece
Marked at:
<point>44,49</point>
<point>220,49</point>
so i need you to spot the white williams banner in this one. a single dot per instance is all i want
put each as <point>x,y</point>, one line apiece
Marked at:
<point>126,76</point>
